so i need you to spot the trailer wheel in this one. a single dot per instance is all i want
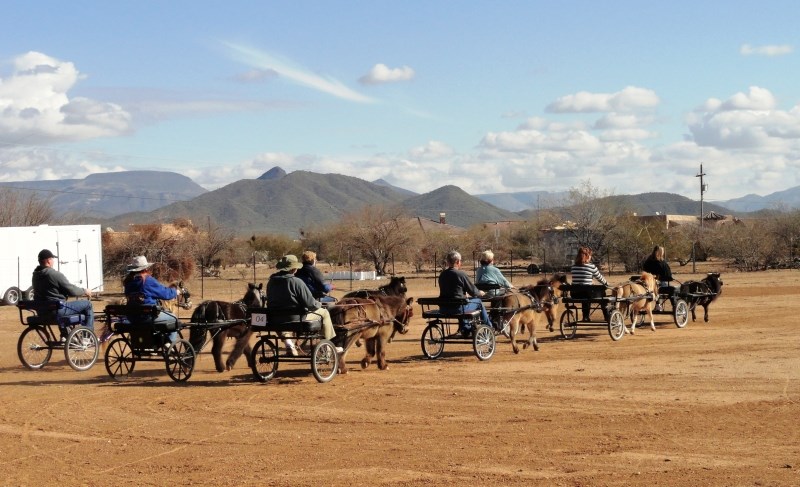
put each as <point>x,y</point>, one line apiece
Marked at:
<point>12,296</point>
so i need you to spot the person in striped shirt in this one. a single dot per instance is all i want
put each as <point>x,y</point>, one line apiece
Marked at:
<point>583,272</point>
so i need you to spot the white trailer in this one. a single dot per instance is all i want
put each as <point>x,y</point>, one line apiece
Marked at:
<point>79,250</point>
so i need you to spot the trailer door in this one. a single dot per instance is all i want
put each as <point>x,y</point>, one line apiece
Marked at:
<point>70,259</point>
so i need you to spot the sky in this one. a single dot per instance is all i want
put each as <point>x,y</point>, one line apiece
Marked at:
<point>491,96</point>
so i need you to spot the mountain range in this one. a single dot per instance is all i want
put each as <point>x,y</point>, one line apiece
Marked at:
<point>282,203</point>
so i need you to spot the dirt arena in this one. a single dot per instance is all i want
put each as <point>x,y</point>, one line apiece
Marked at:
<point>712,404</point>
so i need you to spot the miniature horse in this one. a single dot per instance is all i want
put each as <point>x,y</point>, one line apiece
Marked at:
<point>703,292</point>
<point>395,287</point>
<point>373,320</point>
<point>219,311</point>
<point>548,293</point>
<point>642,289</point>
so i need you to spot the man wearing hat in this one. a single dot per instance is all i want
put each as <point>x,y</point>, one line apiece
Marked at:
<point>142,288</point>
<point>284,291</point>
<point>51,285</point>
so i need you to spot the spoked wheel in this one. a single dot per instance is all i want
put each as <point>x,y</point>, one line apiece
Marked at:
<point>324,361</point>
<point>179,359</point>
<point>484,342</point>
<point>119,359</point>
<point>32,348</point>
<point>680,313</point>
<point>82,348</point>
<point>569,323</point>
<point>264,360</point>
<point>432,340</point>
<point>616,325</point>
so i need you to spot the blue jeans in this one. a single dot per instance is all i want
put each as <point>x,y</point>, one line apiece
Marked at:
<point>78,307</point>
<point>477,304</point>
<point>165,317</point>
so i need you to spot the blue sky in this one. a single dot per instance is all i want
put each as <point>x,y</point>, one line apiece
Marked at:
<point>497,96</point>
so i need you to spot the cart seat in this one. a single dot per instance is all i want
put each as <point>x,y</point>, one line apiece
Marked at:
<point>585,291</point>
<point>44,313</point>
<point>293,320</point>
<point>446,308</point>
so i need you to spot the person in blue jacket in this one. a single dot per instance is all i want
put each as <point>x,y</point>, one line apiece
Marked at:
<point>488,273</point>
<point>142,288</point>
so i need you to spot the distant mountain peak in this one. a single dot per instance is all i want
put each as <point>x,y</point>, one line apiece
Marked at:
<point>274,173</point>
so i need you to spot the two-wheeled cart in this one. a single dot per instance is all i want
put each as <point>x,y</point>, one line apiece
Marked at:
<point>46,330</point>
<point>448,320</point>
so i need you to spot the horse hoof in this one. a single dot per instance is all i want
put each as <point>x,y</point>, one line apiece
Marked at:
<point>364,363</point>
<point>536,348</point>
<point>516,350</point>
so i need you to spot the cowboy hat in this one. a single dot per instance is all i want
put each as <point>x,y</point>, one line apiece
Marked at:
<point>139,263</point>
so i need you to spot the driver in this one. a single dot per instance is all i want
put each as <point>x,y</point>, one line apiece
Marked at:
<point>144,289</point>
<point>50,285</point>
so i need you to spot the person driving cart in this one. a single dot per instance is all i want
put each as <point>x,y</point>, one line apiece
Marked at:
<point>50,285</point>
<point>583,271</point>
<point>144,289</point>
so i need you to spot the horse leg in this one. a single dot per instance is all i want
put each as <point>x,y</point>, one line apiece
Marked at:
<point>370,351</point>
<point>650,312</point>
<point>380,350</point>
<point>514,328</point>
<point>705,312</point>
<point>242,343</point>
<point>216,350</point>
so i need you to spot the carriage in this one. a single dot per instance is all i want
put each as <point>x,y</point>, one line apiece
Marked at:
<point>140,338</point>
<point>595,298</point>
<point>679,309</point>
<point>444,317</point>
<point>45,331</point>
<point>275,325</point>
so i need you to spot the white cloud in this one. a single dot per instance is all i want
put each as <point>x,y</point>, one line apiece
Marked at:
<point>746,121</point>
<point>35,107</point>
<point>768,50</point>
<point>24,164</point>
<point>258,59</point>
<point>628,99</point>
<point>380,73</point>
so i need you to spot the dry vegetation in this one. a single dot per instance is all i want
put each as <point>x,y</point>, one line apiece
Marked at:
<point>711,404</point>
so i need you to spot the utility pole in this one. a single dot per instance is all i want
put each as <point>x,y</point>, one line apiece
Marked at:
<point>703,188</point>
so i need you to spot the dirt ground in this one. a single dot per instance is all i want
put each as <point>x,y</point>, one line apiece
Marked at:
<point>714,403</point>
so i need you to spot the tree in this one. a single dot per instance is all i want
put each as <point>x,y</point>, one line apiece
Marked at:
<point>593,216</point>
<point>20,210</point>
<point>377,232</point>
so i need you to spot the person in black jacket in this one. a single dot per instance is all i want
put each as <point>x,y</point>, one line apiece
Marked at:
<point>313,278</point>
<point>456,284</point>
<point>656,264</point>
<point>51,285</point>
<point>285,291</point>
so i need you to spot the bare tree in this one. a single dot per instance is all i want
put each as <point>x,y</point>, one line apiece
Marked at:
<point>18,209</point>
<point>593,216</point>
<point>377,232</point>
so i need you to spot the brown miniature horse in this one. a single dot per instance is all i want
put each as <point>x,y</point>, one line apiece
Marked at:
<point>632,299</point>
<point>703,293</point>
<point>219,311</point>
<point>548,293</point>
<point>374,321</point>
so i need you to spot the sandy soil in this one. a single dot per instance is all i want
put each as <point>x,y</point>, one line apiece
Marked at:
<point>711,404</point>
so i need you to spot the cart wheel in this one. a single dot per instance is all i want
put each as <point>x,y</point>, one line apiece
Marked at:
<point>119,359</point>
<point>680,313</point>
<point>616,325</point>
<point>264,360</point>
<point>32,348</point>
<point>432,340</point>
<point>180,360</point>
<point>81,349</point>
<point>569,323</point>
<point>484,342</point>
<point>324,361</point>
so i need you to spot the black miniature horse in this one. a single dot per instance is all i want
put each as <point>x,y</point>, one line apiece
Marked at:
<point>395,287</point>
<point>702,293</point>
<point>221,311</point>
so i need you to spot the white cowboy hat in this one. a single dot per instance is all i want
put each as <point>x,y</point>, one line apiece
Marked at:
<point>139,263</point>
